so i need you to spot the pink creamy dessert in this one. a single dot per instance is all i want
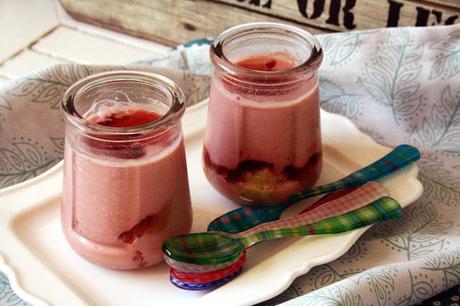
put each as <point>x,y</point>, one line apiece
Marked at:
<point>263,143</point>
<point>121,201</point>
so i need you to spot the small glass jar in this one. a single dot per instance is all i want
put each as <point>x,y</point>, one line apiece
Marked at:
<point>263,136</point>
<point>125,176</point>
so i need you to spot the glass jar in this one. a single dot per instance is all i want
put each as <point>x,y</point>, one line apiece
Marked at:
<point>263,137</point>
<point>125,176</point>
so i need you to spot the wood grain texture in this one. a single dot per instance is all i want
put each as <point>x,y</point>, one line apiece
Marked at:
<point>171,23</point>
<point>176,21</point>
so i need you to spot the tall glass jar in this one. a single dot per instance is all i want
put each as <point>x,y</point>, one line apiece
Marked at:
<point>125,176</point>
<point>263,137</point>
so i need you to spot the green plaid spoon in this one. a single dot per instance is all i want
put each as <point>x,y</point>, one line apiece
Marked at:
<point>214,248</point>
<point>243,218</point>
<point>336,204</point>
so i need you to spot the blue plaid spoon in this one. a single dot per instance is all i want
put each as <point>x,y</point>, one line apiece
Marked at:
<point>244,218</point>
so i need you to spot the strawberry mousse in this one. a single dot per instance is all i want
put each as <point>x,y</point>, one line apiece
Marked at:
<point>263,137</point>
<point>124,193</point>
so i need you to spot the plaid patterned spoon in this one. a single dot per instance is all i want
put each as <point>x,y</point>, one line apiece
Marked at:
<point>332,205</point>
<point>211,248</point>
<point>244,218</point>
<point>200,277</point>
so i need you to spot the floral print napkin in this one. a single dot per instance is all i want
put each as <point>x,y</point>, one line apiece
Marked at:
<point>399,85</point>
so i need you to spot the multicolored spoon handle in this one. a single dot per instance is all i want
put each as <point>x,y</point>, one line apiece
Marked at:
<point>380,210</point>
<point>243,218</point>
<point>356,199</point>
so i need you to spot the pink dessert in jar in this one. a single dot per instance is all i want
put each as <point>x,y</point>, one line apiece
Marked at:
<point>263,136</point>
<point>125,176</point>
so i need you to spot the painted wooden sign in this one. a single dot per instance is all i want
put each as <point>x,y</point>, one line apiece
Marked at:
<point>176,21</point>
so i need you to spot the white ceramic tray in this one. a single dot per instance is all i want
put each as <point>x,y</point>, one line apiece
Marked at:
<point>43,269</point>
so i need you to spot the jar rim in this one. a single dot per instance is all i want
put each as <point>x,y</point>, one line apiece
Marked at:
<point>219,59</point>
<point>71,115</point>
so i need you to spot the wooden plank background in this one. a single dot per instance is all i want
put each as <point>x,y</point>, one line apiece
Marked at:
<point>176,21</point>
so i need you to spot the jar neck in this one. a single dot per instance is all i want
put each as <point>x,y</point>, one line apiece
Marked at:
<point>297,49</point>
<point>123,90</point>
<point>266,86</point>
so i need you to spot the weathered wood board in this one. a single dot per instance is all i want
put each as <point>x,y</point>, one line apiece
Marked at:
<point>176,21</point>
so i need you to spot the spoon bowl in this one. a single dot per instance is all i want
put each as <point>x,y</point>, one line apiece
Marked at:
<point>206,248</point>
